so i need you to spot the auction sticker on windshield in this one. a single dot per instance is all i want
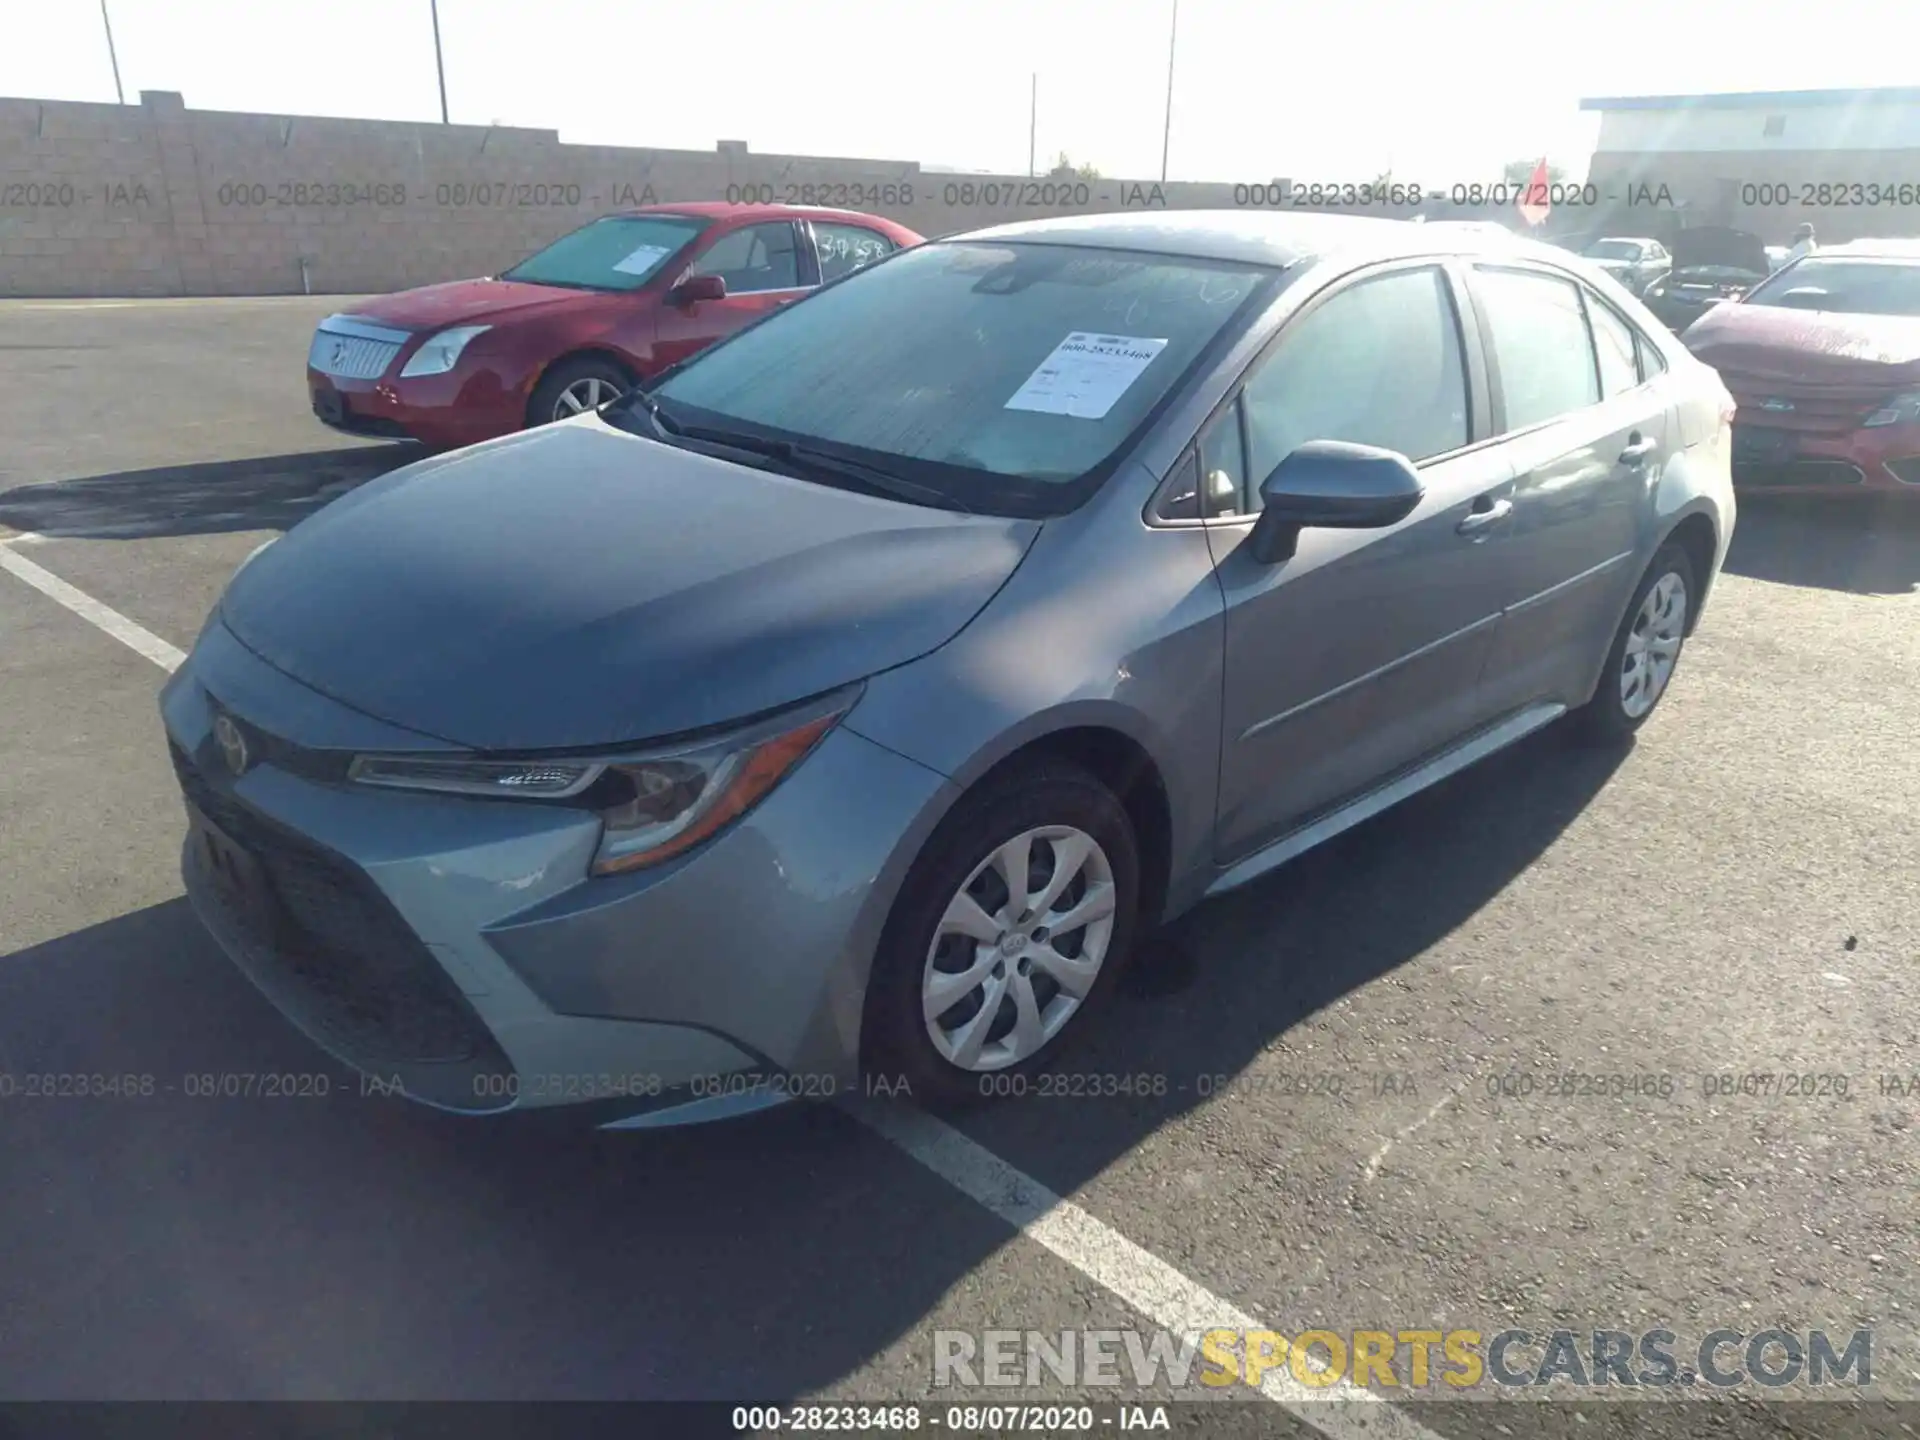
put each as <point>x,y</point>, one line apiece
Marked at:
<point>642,260</point>
<point>1085,375</point>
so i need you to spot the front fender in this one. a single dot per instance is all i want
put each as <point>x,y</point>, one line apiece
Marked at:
<point>1108,625</point>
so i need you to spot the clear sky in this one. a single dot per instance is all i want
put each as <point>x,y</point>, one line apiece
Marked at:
<point>1333,90</point>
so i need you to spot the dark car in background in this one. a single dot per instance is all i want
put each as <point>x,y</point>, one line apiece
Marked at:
<point>1711,264</point>
<point>1823,360</point>
<point>577,324</point>
<point>1634,261</point>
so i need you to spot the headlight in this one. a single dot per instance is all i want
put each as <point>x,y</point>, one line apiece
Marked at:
<point>442,352</point>
<point>1898,410</point>
<point>652,806</point>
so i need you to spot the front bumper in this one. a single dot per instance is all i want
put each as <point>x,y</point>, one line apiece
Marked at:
<point>461,407</point>
<point>455,951</point>
<point>1875,460</point>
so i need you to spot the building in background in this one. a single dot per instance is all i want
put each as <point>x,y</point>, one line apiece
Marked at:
<point>1846,161</point>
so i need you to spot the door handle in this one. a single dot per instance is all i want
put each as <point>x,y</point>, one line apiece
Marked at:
<point>1638,450</point>
<point>1481,517</point>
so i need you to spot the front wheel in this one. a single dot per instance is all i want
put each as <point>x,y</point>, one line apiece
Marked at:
<point>574,387</point>
<point>1646,649</point>
<point>1010,929</point>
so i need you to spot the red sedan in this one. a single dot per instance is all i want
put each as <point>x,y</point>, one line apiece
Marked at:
<point>574,326</point>
<point>1823,360</point>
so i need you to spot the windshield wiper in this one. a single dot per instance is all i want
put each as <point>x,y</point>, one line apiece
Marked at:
<point>807,458</point>
<point>664,428</point>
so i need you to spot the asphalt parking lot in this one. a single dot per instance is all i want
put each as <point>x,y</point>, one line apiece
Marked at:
<point>1737,894</point>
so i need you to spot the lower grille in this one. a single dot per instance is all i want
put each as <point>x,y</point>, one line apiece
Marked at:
<point>342,963</point>
<point>1907,472</point>
<point>1800,472</point>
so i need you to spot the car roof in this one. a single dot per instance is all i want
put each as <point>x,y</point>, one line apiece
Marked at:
<point>720,209</point>
<point>1264,238</point>
<point>1624,240</point>
<point>1902,249</point>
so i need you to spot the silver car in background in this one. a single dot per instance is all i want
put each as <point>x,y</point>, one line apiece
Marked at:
<point>854,699</point>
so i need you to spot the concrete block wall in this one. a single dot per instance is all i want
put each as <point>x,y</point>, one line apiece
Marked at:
<point>1844,194</point>
<point>158,199</point>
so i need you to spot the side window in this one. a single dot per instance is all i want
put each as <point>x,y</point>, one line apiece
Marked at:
<point>1378,363</point>
<point>1224,481</point>
<point>1540,344</point>
<point>1613,342</point>
<point>846,248</point>
<point>1652,362</point>
<point>754,257</point>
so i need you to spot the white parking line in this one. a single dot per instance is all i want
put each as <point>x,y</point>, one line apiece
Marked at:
<point>1144,1281</point>
<point>135,637</point>
<point>1168,1298</point>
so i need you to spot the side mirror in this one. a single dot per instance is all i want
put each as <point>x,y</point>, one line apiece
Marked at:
<point>696,288</point>
<point>1332,485</point>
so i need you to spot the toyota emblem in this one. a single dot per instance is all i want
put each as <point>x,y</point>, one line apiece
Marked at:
<point>232,744</point>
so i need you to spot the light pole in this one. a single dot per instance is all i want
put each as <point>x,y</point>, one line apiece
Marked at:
<point>1033,123</point>
<point>438,63</point>
<point>119,94</point>
<point>1166,138</point>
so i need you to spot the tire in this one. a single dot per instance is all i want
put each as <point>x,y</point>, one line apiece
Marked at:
<point>962,857</point>
<point>576,376</point>
<point>1620,705</point>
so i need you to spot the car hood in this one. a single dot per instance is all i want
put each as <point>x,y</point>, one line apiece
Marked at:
<point>579,586</point>
<point>472,302</point>
<point>1771,340</point>
<point>1718,247</point>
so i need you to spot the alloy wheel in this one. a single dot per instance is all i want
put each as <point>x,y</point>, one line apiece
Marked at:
<point>1653,645</point>
<point>1019,948</point>
<point>587,393</point>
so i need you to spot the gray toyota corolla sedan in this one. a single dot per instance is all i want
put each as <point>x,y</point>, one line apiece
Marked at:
<point>850,703</point>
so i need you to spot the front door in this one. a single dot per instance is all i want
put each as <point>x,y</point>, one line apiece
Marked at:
<point>764,268</point>
<point>1362,653</point>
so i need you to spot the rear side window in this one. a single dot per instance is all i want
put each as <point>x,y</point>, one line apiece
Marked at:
<point>1540,344</point>
<point>1613,343</point>
<point>1378,363</point>
<point>1652,362</point>
<point>846,248</point>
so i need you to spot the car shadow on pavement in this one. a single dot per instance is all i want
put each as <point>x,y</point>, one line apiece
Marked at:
<point>1868,545</point>
<point>1267,957</point>
<point>274,492</point>
<point>184,1238</point>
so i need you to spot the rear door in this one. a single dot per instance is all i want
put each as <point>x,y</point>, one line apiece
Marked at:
<point>1588,434</point>
<point>764,266</point>
<point>1362,652</point>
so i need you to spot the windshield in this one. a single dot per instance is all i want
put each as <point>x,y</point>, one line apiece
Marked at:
<point>1855,287</point>
<point>1613,250</point>
<point>621,252</point>
<point>999,374</point>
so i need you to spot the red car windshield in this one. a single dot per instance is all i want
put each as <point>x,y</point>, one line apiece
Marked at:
<point>1853,287</point>
<point>621,252</point>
